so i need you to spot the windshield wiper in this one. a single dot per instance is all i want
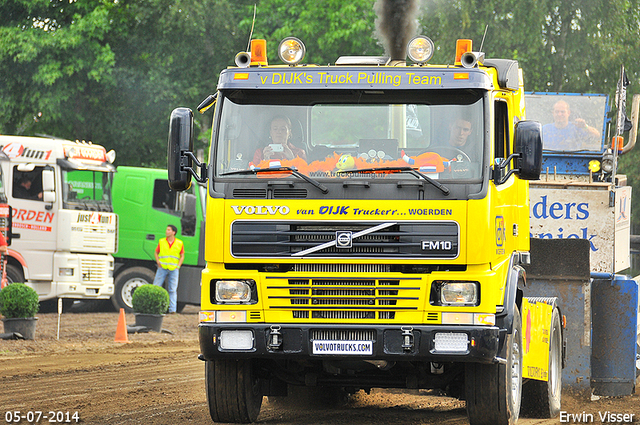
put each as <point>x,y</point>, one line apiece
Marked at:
<point>409,170</point>
<point>293,171</point>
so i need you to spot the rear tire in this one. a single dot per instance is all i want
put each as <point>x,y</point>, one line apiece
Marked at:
<point>494,391</point>
<point>126,283</point>
<point>233,391</point>
<point>541,399</point>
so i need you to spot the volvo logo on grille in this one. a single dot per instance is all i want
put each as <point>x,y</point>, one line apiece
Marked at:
<point>343,239</point>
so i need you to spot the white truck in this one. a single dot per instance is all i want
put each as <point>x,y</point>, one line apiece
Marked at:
<point>64,228</point>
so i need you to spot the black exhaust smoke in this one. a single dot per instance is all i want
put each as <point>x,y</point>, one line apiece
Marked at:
<point>396,24</point>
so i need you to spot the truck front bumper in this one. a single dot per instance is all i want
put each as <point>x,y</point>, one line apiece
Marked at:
<point>479,344</point>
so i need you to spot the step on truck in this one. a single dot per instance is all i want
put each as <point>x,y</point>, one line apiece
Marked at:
<point>63,226</point>
<point>145,205</point>
<point>370,248</point>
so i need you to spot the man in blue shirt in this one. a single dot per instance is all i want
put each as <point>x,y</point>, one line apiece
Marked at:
<point>563,135</point>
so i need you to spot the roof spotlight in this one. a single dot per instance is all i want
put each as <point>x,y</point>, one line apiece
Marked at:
<point>291,51</point>
<point>607,162</point>
<point>420,49</point>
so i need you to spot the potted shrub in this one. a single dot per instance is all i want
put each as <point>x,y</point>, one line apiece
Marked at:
<point>150,303</point>
<point>19,305</point>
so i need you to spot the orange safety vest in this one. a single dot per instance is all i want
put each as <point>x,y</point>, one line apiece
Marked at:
<point>169,256</point>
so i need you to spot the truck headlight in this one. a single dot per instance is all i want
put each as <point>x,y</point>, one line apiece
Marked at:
<point>65,271</point>
<point>234,291</point>
<point>456,293</point>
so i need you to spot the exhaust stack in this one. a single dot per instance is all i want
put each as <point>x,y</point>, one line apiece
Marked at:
<point>396,24</point>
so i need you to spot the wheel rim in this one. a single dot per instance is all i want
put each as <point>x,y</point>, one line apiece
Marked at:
<point>554,363</point>
<point>516,378</point>
<point>129,287</point>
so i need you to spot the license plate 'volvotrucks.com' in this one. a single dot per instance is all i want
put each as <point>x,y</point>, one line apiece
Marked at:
<point>64,228</point>
<point>367,227</point>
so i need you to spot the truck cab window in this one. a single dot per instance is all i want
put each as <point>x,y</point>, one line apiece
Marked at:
<point>27,184</point>
<point>502,130</point>
<point>86,190</point>
<point>164,198</point>
<point>179,204</point>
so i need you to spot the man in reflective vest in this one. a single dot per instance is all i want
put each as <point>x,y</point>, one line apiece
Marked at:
<point>169,257</point>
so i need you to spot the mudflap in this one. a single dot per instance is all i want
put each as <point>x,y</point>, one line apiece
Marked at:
<point>536,329</point>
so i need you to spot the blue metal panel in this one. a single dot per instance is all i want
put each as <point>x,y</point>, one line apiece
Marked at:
<point>571,163</point>
<point>615,325</point>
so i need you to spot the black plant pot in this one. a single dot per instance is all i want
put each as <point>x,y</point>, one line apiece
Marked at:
<point>151,321</point>
<point>25,326</point>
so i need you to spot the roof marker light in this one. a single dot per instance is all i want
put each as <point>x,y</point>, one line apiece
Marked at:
<point>259,52</point>
<point>420,49</point>
<point>291,51</point>
<point>462,46</point>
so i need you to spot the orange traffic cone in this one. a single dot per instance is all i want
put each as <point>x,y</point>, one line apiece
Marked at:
<point>121,330</point>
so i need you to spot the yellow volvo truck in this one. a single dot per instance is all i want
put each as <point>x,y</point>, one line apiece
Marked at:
<point>367,224</point>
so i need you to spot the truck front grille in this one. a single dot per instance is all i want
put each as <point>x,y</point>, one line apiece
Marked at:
<point>341,268</point>
<point>344,299</point>
<point>276,239</point>
<point>94,270</point>
<point>95,237</point>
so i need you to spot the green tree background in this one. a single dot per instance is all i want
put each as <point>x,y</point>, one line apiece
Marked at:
<point>111,71</point>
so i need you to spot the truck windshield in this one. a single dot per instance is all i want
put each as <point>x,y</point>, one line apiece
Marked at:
<point>321,133</point>
<point>87,190</point>
<point>570,122</point>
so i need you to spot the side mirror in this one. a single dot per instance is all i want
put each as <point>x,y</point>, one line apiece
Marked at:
<point>48,186</point>
<point>528,143</point>
<point>48,182</point>
<point>180,141</point>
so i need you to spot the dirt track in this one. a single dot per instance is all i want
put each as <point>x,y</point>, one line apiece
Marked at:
<point>157,379</point>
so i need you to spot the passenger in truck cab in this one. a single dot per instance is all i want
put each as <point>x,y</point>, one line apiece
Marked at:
<point>25,189</point>
<point>279,146</point>
<point>565,135</point>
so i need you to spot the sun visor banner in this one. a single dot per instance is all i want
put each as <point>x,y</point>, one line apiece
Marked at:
<point>350,78</point>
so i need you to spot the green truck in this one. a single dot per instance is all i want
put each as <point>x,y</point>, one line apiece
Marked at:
<point>145,206</point>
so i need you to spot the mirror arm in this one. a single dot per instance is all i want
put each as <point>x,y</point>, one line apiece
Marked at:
<point>505,162</point>
<point>502,165</point>
<point>202,178</point>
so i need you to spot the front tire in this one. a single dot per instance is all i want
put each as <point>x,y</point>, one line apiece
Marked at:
<point>494,391</point>
<point>542,399</point>
<point>14,274</point>
<point>233,390</point>
<point>126,283</point>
